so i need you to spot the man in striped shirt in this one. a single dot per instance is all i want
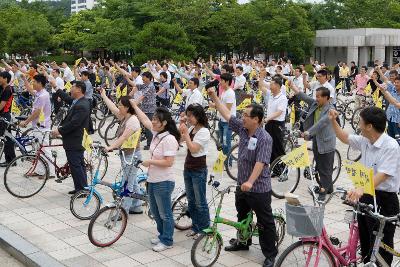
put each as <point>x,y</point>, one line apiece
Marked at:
<point>254,178</point>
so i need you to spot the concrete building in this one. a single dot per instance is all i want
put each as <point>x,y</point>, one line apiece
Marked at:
<point>78,5</point>
<point>362,46</point>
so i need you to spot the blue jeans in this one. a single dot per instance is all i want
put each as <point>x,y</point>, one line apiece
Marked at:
<point>393,129</point>
<point>161,208</point>
<point>129,175</point>
<point>195,185</point>
<point>225,136</point>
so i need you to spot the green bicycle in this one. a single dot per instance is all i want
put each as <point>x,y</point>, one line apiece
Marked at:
<point>207,247</point>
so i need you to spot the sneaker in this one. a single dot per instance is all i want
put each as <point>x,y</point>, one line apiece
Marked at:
<point>195,236</point>
<point>190,233</point>
<point>155,241</point>
<point>161,247</point>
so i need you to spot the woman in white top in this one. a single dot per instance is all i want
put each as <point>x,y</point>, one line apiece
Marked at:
<point>195,168</point>
<point>129,124</point>
<point>161,176</point>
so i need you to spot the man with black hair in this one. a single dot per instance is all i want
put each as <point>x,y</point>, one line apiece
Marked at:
<point>381,153</point>
<point>192,94</point>
<point>84,77</point>
<point>322,81</point>
<point>71,129</point>
<point>319,130</point>
<point>6,98</point>
<point>254,179</point>
<point>240,83</point>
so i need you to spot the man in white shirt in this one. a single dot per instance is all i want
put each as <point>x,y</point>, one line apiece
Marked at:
<point>381,153</point>
<point>192,94</point>
<point>68,75</point>
<point>322,81</point>
<point>275,121</point>
<point>240,83</point>
<point>135,74</point>
<point>229,100</point>
<point>272,67</point>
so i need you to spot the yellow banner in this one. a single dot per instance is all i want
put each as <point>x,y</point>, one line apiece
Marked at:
<point>118,92</point>
<point>14,108</point>
<point>244,104</point>
<point>78,61</point>
<point>41,116</point>
<point>204,93</point>
<point>16,82</point>
<point>298,157</point>
<point>339,85</point>
<point>361,176</point>
<point>87,141</point>
<point>368,89</point>
<point>377,100</point>
<point>219,163</point>
<point>258,96</point>
<point>287,87</point>
<point>178,98</point>
<point>292,115</point>
<point>68,87</point>
<point>133,140</point>
<point>124,91</point>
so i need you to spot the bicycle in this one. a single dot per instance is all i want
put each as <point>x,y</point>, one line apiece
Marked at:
<point>84,204</point>
<point>21,179</point>
<point>285,179</point>
<point>211,239</point>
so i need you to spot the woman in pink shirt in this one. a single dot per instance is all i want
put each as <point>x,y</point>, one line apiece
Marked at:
<point>161,181</point>
<point>361,81</point>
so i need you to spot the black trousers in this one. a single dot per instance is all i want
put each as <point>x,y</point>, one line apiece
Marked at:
<point>147,133</point>
<point>78,169</point>
<point>91,129</point>
<point>388,205</point>
<point>275,130</point>
<point>324,167</point>
<point>9,148</point>
<point>260,203</point>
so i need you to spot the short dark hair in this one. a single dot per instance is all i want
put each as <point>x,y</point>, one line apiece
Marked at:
<point>124,100</point>
<point>256,111</point>
<point>365,68</point>
<point>85,73</point>
<point>199,113</point>
<point>6,75</point>
<point>374,116</point>
<point>57,70</point>
<point>228,68</point>
<point>324,92</point>
<point>323,72</point>
<point>277,79</point>
<point>240,68</point>
<point>40,78</point>
<point>227,77</point>
<point>397,78</point>
<point>136,69</point>
<point>393,72</point>
<point>148,75</point>
<point>195,81</point>
<point>164,74</point>
<point>81,85</point>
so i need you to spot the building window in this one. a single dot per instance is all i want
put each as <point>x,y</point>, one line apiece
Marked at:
<point>82,6</point>
<point>73,2</point>
<point>81,1</point>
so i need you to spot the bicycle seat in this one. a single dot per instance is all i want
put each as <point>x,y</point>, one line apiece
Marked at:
<point>21,118</point>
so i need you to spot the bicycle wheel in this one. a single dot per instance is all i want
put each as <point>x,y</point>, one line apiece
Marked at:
<point>83,207</point>
<point>355,120</point>
<point>103,124</point>
<point>98,113</point>
<point>352,154</point>
<point>288,145</point>
<point>105,228</point>
<point>349,110</point>
<point>283,178</point>
<point>91,166</point>
<point>280,226</point>
<point>337,167</point>
<point>1,148</point>
<point>206,250</point>
<point>231,162</point>
<point>181,214</point>
<point>304,254</point>
<point>21,178</point>
<point>111,132</point>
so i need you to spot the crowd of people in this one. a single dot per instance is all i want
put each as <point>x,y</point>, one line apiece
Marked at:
<point>223,85</point>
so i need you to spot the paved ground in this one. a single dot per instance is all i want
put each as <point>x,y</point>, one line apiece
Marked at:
<point>6,260</point>
<point>46,221</point>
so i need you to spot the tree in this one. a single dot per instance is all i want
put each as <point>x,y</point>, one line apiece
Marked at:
<point>159,41</point>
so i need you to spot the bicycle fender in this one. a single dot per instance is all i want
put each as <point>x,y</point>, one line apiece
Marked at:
<point>211,231</point>
<point>110,205</point>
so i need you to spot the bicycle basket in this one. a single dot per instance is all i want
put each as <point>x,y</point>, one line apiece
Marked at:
<point>304,221</point>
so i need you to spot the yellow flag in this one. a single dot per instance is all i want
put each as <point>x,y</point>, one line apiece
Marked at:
<point>219,163</point>
<point>258,96</point>
<point>178,98</point>
<point>339,85</point>
<point>68,86</point>
<point>292,115</point>
<point>87,141</point>
<point>248,88</point>
<point>41,116</point>
<point>244,104</point>
<point>133,140</point>
<point>118,92</point>
<point>124,91</point>
<point>78,61</point>
<point>368,89</point>
<point>298,157</point>
<point>379,103</point>
<point>184,81</point>
<point>204,92</point>
<point>98,79</point>
<point>361,176</point>
<point>14,108</point>
<point>375,96</point>
<point>314,78</point>
<point>287,87</point>
<point>107,83</point>
<point>16,83</point>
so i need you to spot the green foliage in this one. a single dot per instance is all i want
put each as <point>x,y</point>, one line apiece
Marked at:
<point>160,40</point>
<point>68,58</point>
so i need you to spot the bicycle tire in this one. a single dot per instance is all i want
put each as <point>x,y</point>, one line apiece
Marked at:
<point>74,205</point>
<point>280,225</point>
<point>1,148</point>
<point>102,127</point>
<point>351,156</point>
<point>288,145</point>
<point>233,158</point>
<point>91,168</point>
<point>196,244</point>
<point>279,174</point>
<point>292,247</point>
<point>98,113</point>
<point>9,178</point>
<point>339,165</point>
<point>182,212</point>
<point>355,119</point>
<point>93,224</point>
<point>109,134</point>
<point>349,110</point>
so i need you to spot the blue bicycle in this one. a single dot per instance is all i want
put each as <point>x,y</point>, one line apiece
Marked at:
<point>86,203</point>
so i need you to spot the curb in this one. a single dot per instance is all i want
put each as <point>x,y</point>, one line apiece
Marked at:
<point>24,251</point>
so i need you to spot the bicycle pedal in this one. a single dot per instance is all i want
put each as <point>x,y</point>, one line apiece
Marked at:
<point>334,240</point>
<point>58,181</point>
